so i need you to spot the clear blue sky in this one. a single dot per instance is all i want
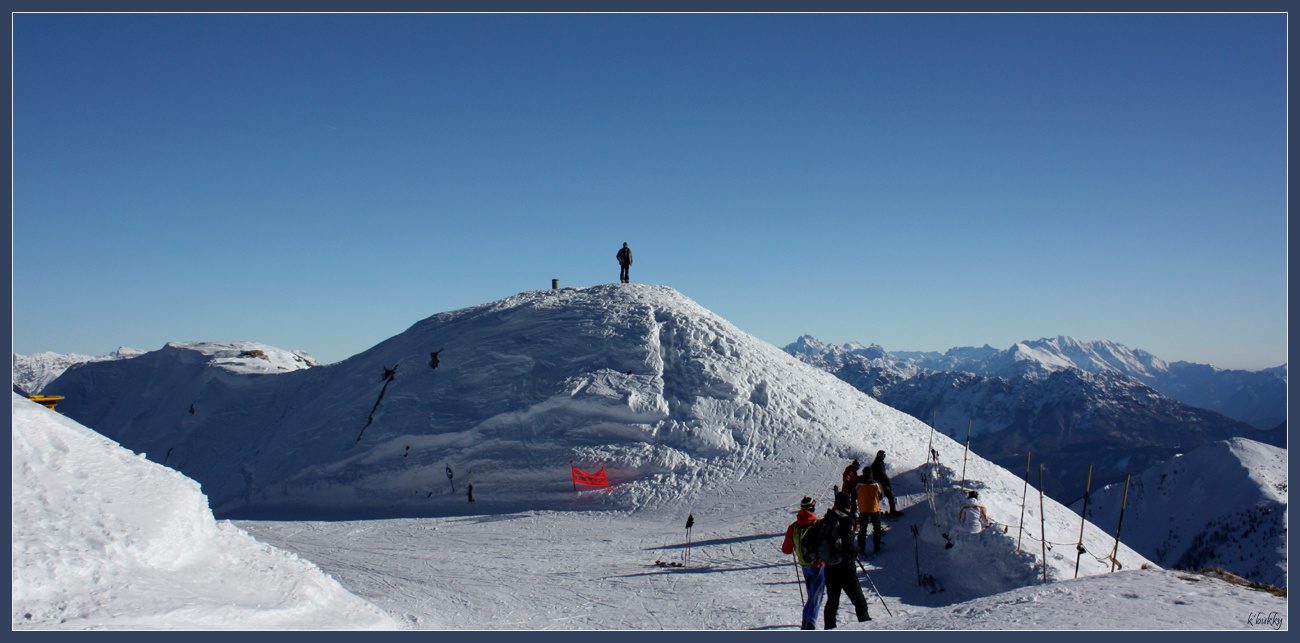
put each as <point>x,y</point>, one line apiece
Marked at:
<point>322,182</point>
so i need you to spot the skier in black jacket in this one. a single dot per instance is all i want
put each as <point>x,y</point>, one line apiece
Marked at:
<point>882,478</point>
<point>839,552</point>
<point>624,262</point>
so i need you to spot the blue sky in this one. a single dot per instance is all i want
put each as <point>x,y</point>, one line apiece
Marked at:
<point>322,182</point>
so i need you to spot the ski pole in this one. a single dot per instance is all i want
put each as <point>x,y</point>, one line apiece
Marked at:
<point>798,573</point>
<point>1023,498</point>
<point>1042,521</point>
<point>916,543</point>
<point>690,522</point>
<point>1083,520</point>
<point>873,587</point>
<point>964,453</point>
<point>1114,560</point>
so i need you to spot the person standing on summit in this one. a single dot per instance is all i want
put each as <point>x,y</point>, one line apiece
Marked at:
<point>624,261</point>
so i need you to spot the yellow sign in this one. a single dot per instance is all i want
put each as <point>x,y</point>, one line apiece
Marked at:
<point>48,401</point>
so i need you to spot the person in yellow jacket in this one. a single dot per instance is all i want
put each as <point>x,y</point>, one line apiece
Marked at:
<point>869,494</point>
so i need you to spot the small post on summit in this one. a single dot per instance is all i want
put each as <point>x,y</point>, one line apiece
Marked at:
<point>555,284</point>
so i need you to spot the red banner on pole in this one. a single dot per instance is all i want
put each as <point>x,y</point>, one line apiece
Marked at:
<point>594,479</point>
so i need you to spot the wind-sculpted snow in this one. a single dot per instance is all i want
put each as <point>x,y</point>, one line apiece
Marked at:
<point>103,539</point>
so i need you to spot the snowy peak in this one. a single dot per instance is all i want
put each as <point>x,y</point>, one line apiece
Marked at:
<point>1097,357</point>
<point>245,358</point>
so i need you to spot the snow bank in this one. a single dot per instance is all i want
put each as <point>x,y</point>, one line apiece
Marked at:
<point>104,539</point>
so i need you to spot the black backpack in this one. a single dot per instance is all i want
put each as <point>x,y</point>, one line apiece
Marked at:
<point>832,548</point>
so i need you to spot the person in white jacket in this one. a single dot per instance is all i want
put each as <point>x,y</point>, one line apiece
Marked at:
<point>971,518</point>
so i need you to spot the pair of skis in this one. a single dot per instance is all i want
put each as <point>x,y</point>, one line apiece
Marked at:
<point>924,580</point>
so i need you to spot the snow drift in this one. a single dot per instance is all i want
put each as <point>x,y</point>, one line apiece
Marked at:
<point>103,539</point>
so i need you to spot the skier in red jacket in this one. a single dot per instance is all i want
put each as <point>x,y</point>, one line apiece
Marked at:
<point>800,540</point>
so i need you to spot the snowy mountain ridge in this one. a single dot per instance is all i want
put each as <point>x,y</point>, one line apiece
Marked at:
<point>1221,505</point>
<point>1254,397</point>
<point>32,372</point>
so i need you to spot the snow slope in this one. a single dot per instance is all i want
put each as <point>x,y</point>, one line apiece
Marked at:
<point>681,408</point>
<point>540,571</point>
<point>1222,505</point>
<point>103,539</point>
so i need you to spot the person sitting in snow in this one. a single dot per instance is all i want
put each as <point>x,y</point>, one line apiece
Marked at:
<point>801,540</point>
<point>971,518</point>
<point>869,495</point>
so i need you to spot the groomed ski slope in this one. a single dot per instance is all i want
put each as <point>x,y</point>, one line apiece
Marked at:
<point>104,539</point>
<point>539,571</point>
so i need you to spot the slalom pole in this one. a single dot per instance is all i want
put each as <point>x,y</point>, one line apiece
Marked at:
<point>1023,498</point>
<point>1115,553</point>
<point>1083,520</point>
<point>873,587</point>
<point>575,480</point>
<point>798,573</point>
<point>964,453</point>
<point>1042,521</point>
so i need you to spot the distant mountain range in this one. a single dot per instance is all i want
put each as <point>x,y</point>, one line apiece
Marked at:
<point>32,372</point>
<point>1072,404</point>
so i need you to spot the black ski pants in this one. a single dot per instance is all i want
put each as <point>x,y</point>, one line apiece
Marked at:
<point>888,490</point>
<point>874,519</point>
<point>844,576</point>
<point>622,271</point>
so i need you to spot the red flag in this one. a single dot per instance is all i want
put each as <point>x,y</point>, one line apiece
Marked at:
<point>594,479</point>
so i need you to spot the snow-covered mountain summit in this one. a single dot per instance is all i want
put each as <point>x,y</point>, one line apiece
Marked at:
<point>680,407</point>
<point>664,394</point>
